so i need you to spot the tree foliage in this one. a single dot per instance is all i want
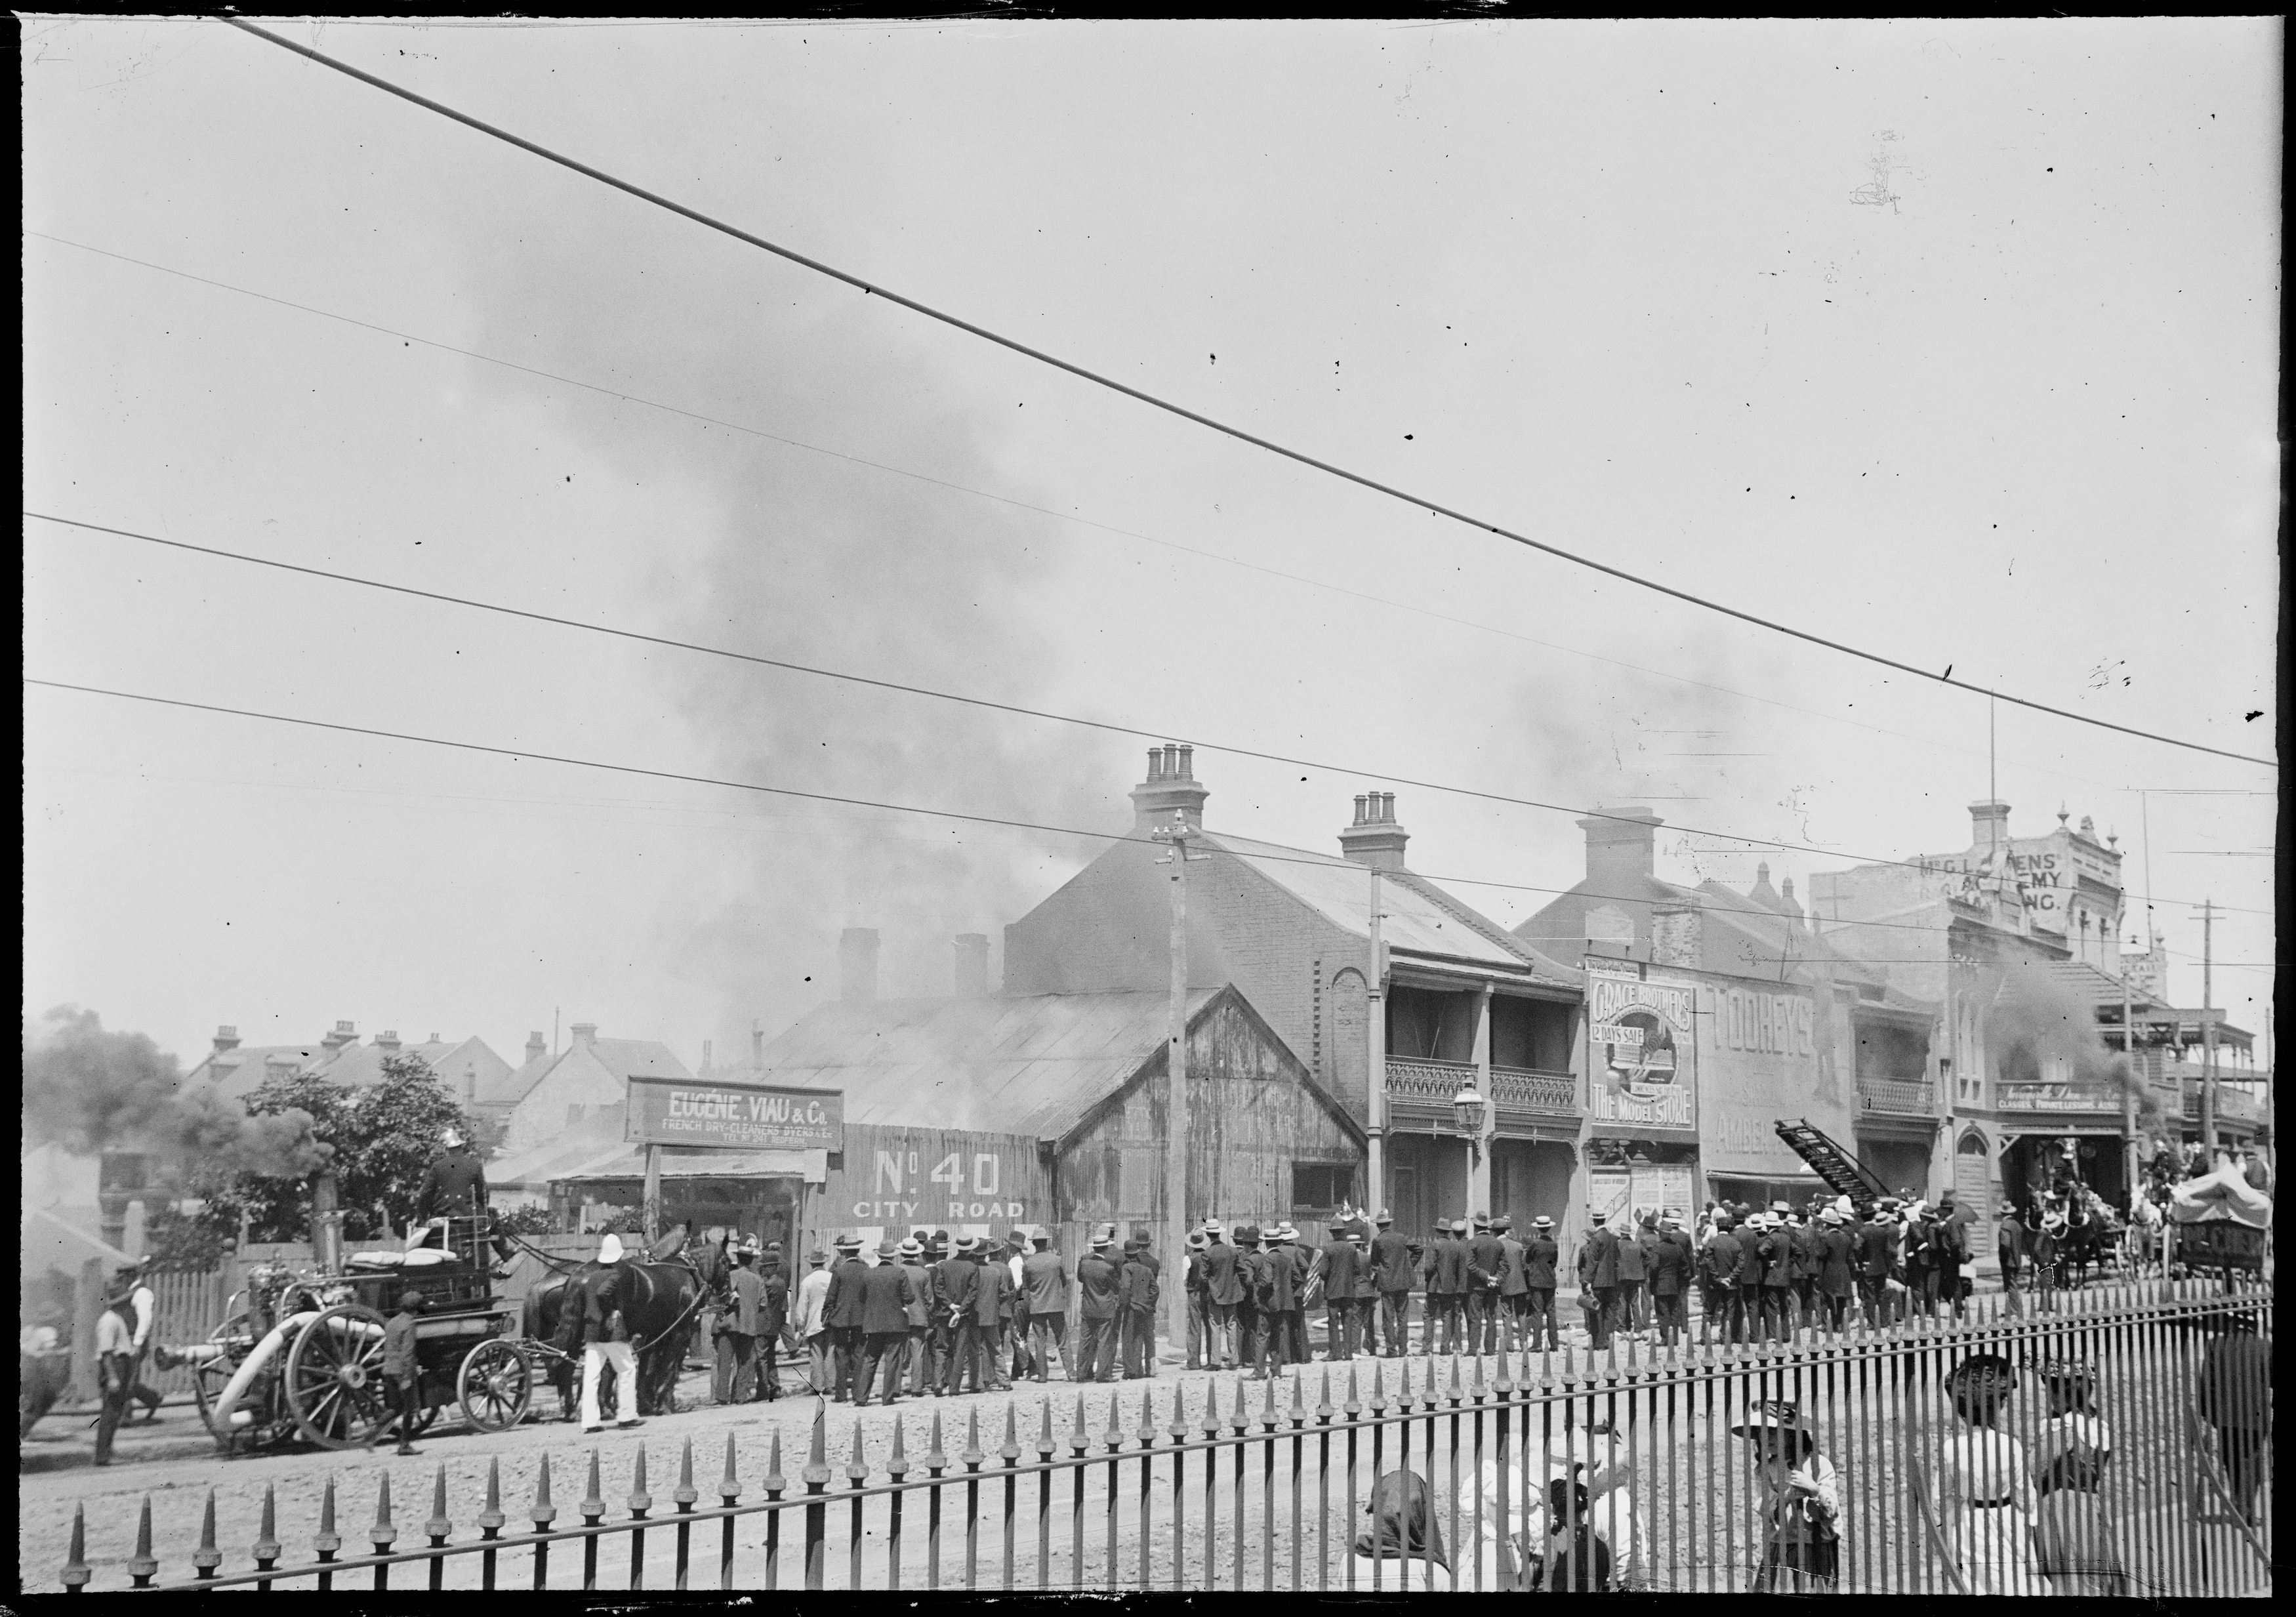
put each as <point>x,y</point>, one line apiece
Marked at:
<point>385,1136</point>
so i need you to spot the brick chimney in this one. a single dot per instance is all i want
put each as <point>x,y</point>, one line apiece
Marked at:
<point>1621,843</point>
<point>1171,784</point>
<point>1677,934</point>
<point>972,965</point>
<point>344,1034</point>
<point>1988,824</point>
<point>387,1041</point>
<point>1787,902</point>
<point>586,1034</point>
<point>857,965</point>
<point>227,1039</point>
<point>1375,838</point>
<point>536,1048</point>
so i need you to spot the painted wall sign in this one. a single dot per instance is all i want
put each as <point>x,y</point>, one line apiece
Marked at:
<point>672,1112</point>
<point>940,1189</point>
<point>1642,1032</point>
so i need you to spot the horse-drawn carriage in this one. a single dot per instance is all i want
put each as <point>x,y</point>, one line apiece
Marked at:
<point>300,1353</point>
<point>2219,1224</point>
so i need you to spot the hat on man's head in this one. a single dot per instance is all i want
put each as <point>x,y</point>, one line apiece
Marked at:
<point>967,1243</point>
<point>888,1248</point>
<point>1780,1207</point>
<point>1830,1215</point>
<point>1459,1227</point>
<point>1542,1222</point>
<point>1214,1228</point>
<point>1199,1241</point>
<point>910,1248</point>
<point>610,1249</point>
<point>1284,1232</point>
<point>817,1256</point>
<point>411,1303</point>
<point>849,1243</point>
<point>1101,1243</point>
<point>1482,1220</point>
<point>1383,1217</point>
<point>1504,1221</point>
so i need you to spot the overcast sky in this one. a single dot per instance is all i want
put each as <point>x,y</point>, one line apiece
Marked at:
<point>1958,341</point>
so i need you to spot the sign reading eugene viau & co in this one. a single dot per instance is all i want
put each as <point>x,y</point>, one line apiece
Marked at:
<point>746,1117</point>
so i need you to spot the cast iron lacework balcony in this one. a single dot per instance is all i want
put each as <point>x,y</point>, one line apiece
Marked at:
<point>1430,1082</point>
<point>1897,1096</point>
<point>1523,1089</point>
<point>1433,1083</point>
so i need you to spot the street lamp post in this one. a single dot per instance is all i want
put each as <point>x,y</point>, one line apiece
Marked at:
<point>1467,1113</point>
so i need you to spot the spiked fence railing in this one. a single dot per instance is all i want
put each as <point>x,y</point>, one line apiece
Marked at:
<point>1237,1485</point>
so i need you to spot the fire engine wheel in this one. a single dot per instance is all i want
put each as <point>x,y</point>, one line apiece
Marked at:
<point>496,1386</point>
<point>335,1379</point>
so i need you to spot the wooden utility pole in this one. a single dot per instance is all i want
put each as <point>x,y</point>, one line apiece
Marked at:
<point>1175,1093</point>
<point>2129,1083</point>
<point>2208,1032</point>
<point>651,1210</point>
<point>1375,1038</point>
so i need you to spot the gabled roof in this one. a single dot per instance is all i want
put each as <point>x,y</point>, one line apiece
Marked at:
<point>1740,935</point>
<point>1036,1065</point>
<point>1417,917</point>
<point>619,1057</point>
<point>355,1064</point>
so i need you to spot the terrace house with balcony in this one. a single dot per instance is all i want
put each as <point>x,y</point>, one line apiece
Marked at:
<point>1450,1002</point>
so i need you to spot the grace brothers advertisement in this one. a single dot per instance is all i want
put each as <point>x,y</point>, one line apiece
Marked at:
<point>736,1117</point>
<point>1643,1036</point>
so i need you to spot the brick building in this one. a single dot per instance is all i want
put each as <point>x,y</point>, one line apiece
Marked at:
<point>1454,1003</point>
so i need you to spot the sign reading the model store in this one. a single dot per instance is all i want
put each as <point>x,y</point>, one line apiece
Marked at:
<point>1641,1031</point>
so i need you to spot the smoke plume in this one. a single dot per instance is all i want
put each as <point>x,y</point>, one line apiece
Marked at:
<point>2041,1031</point>
<point>824,561</point>
<point>91,1090</point>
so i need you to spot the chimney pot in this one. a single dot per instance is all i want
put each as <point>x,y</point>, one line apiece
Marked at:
<point>227,1039</point>
<point>1375,839</point>
<point>856,961</point>
<point>972,980</point>
<point>536,1050</point>
<point>585,1033</point>
<point>1169,786</point>
<point>1187,763</point>
<point>1171,762</point>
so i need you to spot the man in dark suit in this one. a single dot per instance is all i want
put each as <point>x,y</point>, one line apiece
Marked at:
<point>956,1279</point>
<point>1539,1255</point>
<point>1199,1318</point>
<point>1486,1265</point>
<point>1667,1262</point>
<point>2009,1247</point>
<point>1295,1321</point>
<point>1802,1231</point>
<point>1390,1276</point>
<point>1646,1239</point>
<point>1143,1287</point>
<point>1871,1254</point>
<point>1100,1288</point>
<point>1629,1303</point>
<point>842,1309</point>
<point>1224,1296</point>
<point>1776,1251</point>
<point>1721,1259</point>
<point>1512,1289</point>
<point>1837,1269</point>
<point>1446,1282</point>
<point>1341,1266</point>
<point>1045,1280</point>
<point>1274,1294</point>
<point>887,1291</point>
<point>1598,1277</point>
<point>1251,1264</point>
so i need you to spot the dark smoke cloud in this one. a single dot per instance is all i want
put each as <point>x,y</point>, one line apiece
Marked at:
<point>826,563</point>
<point>91,1090</point>
<point>2036,1023</point>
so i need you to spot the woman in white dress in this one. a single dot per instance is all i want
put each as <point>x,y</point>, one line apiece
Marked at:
<point>1984,1486</point>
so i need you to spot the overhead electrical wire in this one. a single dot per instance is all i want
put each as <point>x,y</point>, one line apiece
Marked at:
<point>621,395</point>
<point>1106,726</point>
<point>1258,851</point>
<point>1433,507</point>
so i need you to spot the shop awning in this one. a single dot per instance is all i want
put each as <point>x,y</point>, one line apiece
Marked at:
<point>615,1160</point>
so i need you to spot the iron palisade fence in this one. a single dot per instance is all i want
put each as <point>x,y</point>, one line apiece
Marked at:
<point>1266,1485</point>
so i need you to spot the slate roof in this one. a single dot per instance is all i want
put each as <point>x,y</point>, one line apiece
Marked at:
<point>1417,917</point>
<point>621,1058</point>
<point>1740,935</point>
<point>1030,1064</point>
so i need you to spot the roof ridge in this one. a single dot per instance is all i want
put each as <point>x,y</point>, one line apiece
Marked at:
<point>1491,930</point>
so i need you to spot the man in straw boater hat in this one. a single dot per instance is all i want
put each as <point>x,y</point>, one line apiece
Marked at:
<point>1598,1277</point>
<point>957,1277</point>
<point>1836,1278</point>
<point>1224,1295</point>
<point>1044,1278</point>
<point>888,1290</point>
<point>1539,1255</point>
<point>1199,1302</point>
<point>1982,1481</point>
<point>1802,1504</point>
<point>1669,1280</point>
<point>1100,1310</point>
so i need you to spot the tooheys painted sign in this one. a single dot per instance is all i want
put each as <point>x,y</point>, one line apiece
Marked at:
<point>670,1111</point>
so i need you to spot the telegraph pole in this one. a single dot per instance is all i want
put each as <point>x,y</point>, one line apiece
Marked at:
<point>2208,1032</point>
<point>1175,1091</point>
<point>1375,1038</point>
